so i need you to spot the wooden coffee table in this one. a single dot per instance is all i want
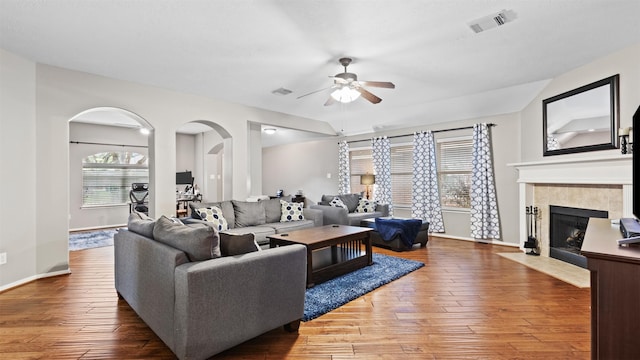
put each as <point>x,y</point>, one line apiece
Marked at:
<point>332,250</point>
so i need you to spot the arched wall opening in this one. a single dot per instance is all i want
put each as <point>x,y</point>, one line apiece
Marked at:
<point>116,132</point>
<point>205,148</point>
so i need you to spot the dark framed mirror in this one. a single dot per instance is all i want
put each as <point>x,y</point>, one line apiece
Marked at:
<point>583,119</point>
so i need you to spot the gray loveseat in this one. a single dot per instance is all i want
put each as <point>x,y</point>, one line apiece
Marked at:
<point>198,306</point>
<point>261,218</point>
<point>348,216</point>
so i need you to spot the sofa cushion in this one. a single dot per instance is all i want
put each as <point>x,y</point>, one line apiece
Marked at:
<point>141,224</point>
<point>248,213</point>
<point>291,211</point>
<point>199,241</point>
<point>354,219</point>
<point>272,209</point>
<point>351,200</point>
<point>366,206</point>
<point>213,215</point>
<point>283,227</point>
<point>237,244</point>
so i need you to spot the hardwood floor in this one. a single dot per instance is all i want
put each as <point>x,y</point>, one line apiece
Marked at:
<point>467,302</point>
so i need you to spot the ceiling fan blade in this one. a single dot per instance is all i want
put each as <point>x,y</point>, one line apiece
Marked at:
<point>369,96</point>
<point>330,101</point>
<point>313,92</point>
<point>380,84</point>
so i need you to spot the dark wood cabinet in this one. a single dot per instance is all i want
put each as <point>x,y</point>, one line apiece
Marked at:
<point>615,292</point>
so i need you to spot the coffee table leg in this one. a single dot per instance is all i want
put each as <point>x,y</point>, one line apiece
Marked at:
<point>368,250</point>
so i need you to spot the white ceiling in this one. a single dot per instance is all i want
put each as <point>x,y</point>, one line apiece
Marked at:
<point>242,50</point>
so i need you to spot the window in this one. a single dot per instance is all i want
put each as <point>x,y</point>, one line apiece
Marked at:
<point>454,171</point>
<point>401,175</point>
<point>361,162</point>
<point>107,177</point>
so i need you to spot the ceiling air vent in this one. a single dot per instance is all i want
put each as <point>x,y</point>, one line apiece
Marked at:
<point>492,21</point>
<point>281,91</point>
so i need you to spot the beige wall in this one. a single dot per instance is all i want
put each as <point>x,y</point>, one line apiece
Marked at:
<point>185,150</point>
<point>624,62</point>
<point>18,168</point>
<point>302,166</point>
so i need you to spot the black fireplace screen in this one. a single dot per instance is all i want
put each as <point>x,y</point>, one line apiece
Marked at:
<point>567,227</point>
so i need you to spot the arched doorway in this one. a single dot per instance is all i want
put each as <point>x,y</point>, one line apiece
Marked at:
<point>205,148</point>
<point>108,150</point>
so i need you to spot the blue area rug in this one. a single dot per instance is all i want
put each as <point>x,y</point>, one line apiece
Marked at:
<point>334,293</point>
<point>89,240</point>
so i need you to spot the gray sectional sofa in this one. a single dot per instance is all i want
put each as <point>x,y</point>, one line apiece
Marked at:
<point>197,302</point>
<point>348,216</point>
<point>261,218</point>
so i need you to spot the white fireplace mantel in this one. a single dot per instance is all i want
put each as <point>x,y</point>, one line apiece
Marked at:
<point>609,169</point>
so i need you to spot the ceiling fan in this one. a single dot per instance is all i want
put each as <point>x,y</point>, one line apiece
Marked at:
<point>347,88</point>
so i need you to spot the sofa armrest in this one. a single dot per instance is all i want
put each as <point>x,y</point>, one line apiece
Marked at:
<point>144,277</point>
<point>223,302</point>
<point>313,214</point>
<point>383,208</point>
<point>189,220</point>
<point>332,214</point>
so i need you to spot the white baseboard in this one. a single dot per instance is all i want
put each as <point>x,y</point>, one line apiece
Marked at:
<point>98,227</point>
<point>493,242</point>
<point>33,278</point>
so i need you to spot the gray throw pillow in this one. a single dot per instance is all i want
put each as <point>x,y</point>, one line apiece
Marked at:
<point>351,200</point>
<point>232,244</point>
<point>141,224</point>
<point>199,241</point>
<point>248,213</point>
<point>272,209</point>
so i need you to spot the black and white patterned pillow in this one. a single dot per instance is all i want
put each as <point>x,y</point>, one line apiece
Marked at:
<point>366,206</point>
<point>337,202</point>
<point>291,211</point>
<point>213,215</point>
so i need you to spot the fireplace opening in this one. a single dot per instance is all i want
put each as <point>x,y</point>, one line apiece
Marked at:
<point>567,227</point>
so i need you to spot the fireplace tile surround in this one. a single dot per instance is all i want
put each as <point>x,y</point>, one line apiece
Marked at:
<point>596,182</point>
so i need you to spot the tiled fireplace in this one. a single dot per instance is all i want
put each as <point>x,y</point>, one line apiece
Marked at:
<point>601,183</point>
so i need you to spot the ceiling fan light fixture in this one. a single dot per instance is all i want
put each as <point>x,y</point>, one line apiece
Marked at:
<point>345,94</point>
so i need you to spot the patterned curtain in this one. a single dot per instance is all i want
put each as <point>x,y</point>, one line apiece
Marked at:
<point>426,195</point>
<point>485,223</point>
<point>344,173</point>
<point>381,152</point>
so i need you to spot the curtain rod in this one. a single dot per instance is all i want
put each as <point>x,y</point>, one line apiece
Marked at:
<point>106,144</point>
<point>433,131</point>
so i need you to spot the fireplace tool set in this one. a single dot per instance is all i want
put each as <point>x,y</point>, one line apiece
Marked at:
<point>532,230</point>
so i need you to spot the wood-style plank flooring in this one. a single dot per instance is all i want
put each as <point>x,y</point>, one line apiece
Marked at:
<point>467,302</point>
